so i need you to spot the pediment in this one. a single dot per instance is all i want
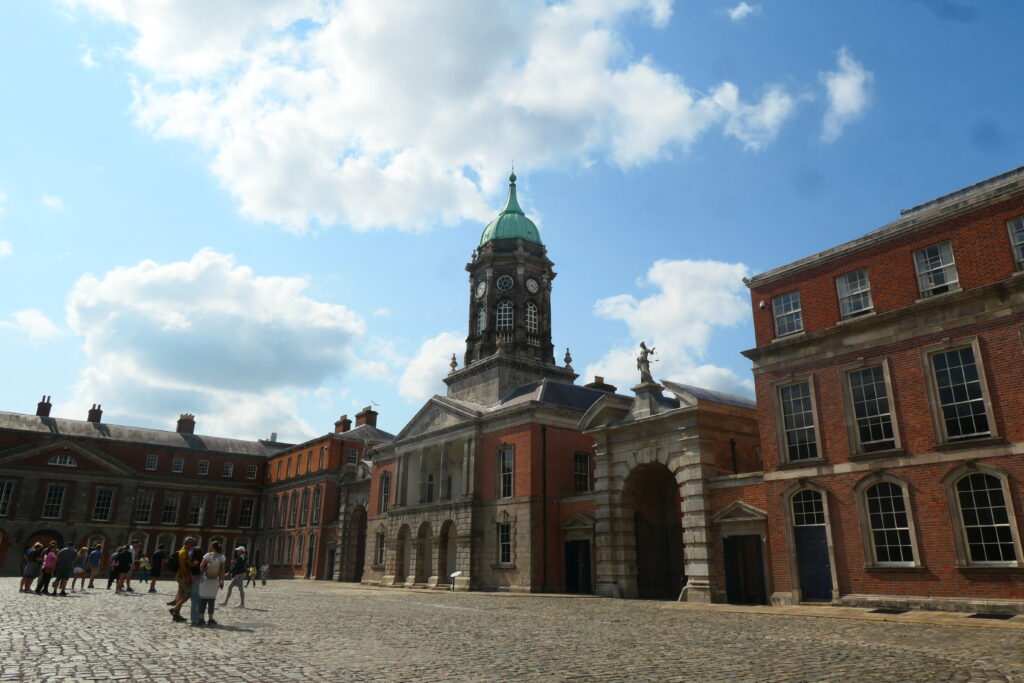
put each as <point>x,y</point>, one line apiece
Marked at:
<point>578,521</point>
<point>738,511</point>
<point>437,414</point>
<point>606,411</point>
<point>86,457</point>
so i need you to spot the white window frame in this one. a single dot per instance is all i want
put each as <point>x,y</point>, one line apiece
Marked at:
<point>928,288</point>
<point>152,460</point>
<point>506,478</point>
<point>178,464</point>
<point>246,510</point>
<point>6,496</point>
<point>787,307</point>
<point>782,433</point>
<point>304,508</point>
<point>867,529</point>
<point>956,515</point>
<point>203,468</point>
<point>505,316</point>
<point>935,403</point>
<point>228,470</point>
<point>531,318</point>
<point>581,472</point>
<point>62,460</point>
<point>251,471</point>
<point>857,447</point>
<point>1016,229</point>
<point>317,495</point>
<point>221,513</point>
<point>143,501</point>
<point>384,493</point>
<point>848,293</point>
<point>196,510</point>
<point>97,515</point>
<point>293,509</point>
<point>481,320</point>
<point>353,456</point>
<point>171,502</point>
<point>503,532</point>
<point>380,549</point>
<point>51,500</point>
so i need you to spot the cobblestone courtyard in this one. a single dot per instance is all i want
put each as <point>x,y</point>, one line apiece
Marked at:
<point>302,631</point>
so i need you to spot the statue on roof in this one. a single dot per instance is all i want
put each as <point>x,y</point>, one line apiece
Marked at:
<point>643,364</point>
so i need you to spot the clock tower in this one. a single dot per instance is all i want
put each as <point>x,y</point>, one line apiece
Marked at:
<point>509,332</point>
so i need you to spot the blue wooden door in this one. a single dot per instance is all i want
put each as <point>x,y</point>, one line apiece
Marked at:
<point>812,562</point>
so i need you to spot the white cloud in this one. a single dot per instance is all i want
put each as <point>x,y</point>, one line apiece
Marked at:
<point>87,60</point>
<point>381,313</point>
<point>742,11</point>
<point>848,95</point>
<point>207,336</point>
<point>5,248</point>
<point>692,298</point>
<point>352,113</point>
<point>31,322</point>
<point>422,376</point>
<point>53,203</point>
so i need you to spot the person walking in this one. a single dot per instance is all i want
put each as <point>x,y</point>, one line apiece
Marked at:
<point>264,572</point>
<point>187,577</point>
<point>239,570</point>
<point>95,562</point>
<point>251,576</point>
<point>65,564</point>
<point>123,563</point>
<point>78,572</point>
<point>212,579</point>
<point>49,563</point>
<point>156,566</point>
<point>136,556</point>
<point>33,565</point>
<point>144,567</point>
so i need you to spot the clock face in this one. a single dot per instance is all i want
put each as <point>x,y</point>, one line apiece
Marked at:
<point>505,283</point>
<point>481,287</point>
<point>532,286</point>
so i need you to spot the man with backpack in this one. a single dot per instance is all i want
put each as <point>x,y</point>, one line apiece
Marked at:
<point>156,566</point>
<point>185,563</point>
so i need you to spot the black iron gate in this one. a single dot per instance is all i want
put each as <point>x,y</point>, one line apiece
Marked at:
<point>658,560</point>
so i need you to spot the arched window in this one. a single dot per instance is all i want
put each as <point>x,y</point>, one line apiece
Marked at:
<point>808,508</point>
<point>481,319</point>
<point>384,493</point>
<point>277,550</point>
<point>505,317</point>
<point>304,515</point>
<point>532,324</point>
<point>985,519</point>
<point>298,550</point>
<point>891,538</point>
<point>287,550</point>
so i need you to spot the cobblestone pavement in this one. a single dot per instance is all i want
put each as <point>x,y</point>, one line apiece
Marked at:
<point>320,631</point>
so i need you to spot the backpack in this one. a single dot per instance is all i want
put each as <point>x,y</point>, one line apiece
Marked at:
<point>172,562</point>
<point>213,569</point>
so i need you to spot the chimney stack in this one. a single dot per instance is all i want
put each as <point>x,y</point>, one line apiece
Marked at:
<point>273,437</point>
<point>43,407</point>
<point>601,385</point>
<point>366,416</point>
<point>95,413</point>
<point>187,424</point>
<point>343,424</point>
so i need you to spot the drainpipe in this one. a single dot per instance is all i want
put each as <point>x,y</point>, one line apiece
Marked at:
<point>544,506</point>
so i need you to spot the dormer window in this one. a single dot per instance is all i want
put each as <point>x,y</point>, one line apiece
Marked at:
<point>62,460</point>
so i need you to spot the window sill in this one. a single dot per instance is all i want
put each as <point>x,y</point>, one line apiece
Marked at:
<point>797,464</point>
<point>970,443</point>
<point>789,335</point>
<point>503,566</point>
<point>888,453</point>
<point>895,568</point>
<point>998,568</point>
<point>854,318</point>
<point>954,290</point>
<point>377,567</point>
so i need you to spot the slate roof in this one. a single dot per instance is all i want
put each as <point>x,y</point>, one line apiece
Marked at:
<point>551,392</point>
<point>59,426</point>
<point>366,433</point>
<point>703,394</point>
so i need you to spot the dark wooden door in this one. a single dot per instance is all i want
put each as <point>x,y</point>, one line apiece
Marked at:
<point>813,563</point>
<point>658,560</point>
<point>744,570</point>
<point>577,567</point>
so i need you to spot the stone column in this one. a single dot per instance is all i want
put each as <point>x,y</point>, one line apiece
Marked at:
<point>444,491</point>
<point>696,509</point>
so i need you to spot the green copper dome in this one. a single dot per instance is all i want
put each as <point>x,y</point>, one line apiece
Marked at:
<point>511,222</point>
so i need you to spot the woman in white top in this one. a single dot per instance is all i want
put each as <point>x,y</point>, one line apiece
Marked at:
<point>212,571</point>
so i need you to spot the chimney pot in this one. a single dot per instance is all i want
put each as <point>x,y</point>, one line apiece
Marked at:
<point>343,424</point>
<point>366,416</point>
<point>186,424</point>
<point>95,413</point>
<point>601,385</point>
<point>43,407</point>
<point>273,437</point>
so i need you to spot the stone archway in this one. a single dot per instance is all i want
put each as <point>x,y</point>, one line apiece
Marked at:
<point>651,496</point>
<point>424,539</point>
<point>402,543</point>
<point>45,536</point>
<point>446,552</point>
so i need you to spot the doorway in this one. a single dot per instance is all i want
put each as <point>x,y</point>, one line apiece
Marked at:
<point>744,570</point>
<point>578,567</point>
<point>810,537</point>
<point>653,493</point>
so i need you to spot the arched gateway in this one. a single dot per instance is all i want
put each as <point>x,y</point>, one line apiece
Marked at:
<point>652,495</point>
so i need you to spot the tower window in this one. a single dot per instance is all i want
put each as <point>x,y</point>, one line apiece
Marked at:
<point>505,317</point>
<point>481,319</point>
<point>531,318</point>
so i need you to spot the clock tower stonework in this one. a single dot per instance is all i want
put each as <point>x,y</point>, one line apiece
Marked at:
<point>509,339</point>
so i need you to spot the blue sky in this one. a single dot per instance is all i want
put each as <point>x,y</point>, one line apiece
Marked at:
<point>259,212</point>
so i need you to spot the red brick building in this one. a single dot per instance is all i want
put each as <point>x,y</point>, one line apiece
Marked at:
<point>315,502</point>
<point>890,391</point>
<point>90,482</point>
